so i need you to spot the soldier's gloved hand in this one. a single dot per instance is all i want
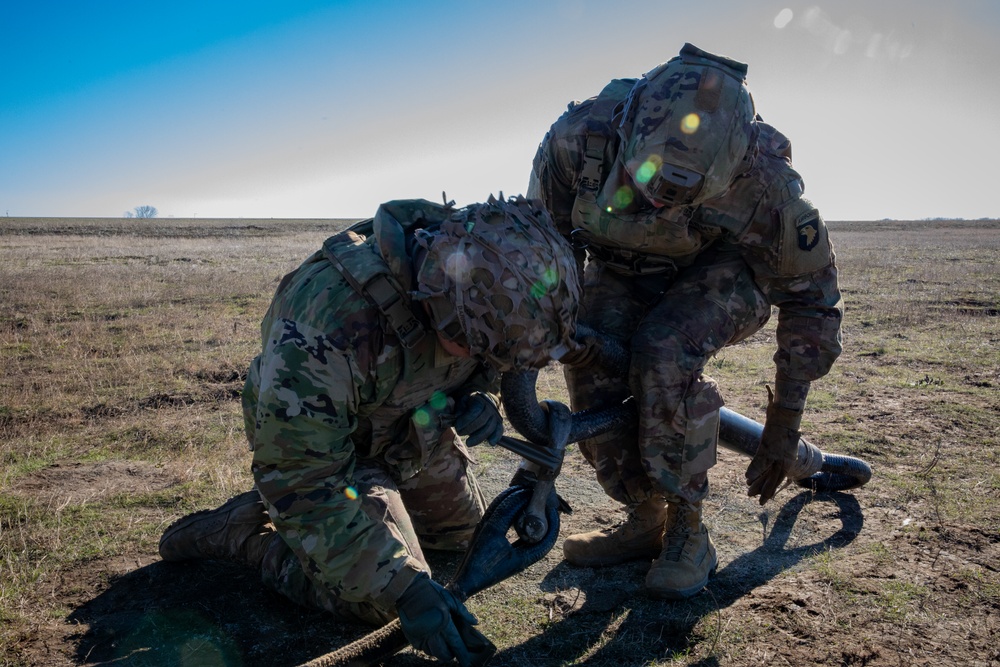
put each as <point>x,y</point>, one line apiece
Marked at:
<point>584,351</point>
<point>778,451</point>
<point>435,622</point>
<point>479,419</point>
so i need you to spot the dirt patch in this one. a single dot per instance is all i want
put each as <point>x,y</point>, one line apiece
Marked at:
<point>914,614</point>
<point>217,395</point>
<point>903,571</point>
<point>78,483</point>
<point>141,611</point>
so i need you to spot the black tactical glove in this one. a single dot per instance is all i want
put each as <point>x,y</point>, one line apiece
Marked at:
<point>479,419</point>
<point>435,622</point>
<point>778,450</point>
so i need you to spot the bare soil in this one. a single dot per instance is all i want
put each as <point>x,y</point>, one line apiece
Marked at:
<point>904,571</point>
<point>140,611</point>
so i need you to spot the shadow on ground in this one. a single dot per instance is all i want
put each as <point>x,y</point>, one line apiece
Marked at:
<point>658,629</point>
<point>200,614</point>
<point>217,614</point>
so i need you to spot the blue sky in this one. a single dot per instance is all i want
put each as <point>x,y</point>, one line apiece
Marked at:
<point>301,108</point>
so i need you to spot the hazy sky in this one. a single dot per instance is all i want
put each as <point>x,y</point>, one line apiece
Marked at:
<point>302,108</point>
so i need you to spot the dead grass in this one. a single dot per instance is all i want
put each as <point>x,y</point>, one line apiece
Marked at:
<point>124,346</point>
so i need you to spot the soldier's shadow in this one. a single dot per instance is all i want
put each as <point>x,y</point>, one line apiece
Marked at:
<point>657,629</point>
<point>201,613</point>
<point>209,613</point>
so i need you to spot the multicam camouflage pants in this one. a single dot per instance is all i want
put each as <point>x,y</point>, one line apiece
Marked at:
<point>438,509</point>
<point>674,328</point>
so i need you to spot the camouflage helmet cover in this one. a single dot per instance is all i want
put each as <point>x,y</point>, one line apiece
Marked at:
<point>693,122</point>
<point>502,272</point>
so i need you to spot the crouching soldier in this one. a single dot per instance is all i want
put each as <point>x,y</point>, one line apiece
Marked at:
<point>694,226</point>
<point>378,352</point>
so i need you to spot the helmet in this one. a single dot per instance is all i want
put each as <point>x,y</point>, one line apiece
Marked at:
<point>499,278</point>
<point>693,125</point>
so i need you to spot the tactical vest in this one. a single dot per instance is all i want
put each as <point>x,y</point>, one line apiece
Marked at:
<point>389,431</point>
<point>366,271</point>
<point>599,134</point>
<point>376,275</point>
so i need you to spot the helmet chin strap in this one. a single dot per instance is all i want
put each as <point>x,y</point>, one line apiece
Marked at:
<point>445,322</point>
<point>456,347</point>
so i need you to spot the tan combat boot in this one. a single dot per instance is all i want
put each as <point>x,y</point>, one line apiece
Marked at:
<point>239,531</point>
<point>639,538</point>
<point>688,557</point>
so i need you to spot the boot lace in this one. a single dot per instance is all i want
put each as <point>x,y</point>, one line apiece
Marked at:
<point>676,537</point>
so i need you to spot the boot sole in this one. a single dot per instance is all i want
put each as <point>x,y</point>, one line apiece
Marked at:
<point>604,562</point>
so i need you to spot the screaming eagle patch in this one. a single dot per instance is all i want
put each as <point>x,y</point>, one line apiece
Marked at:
<point>804,244</point>
<point>809,233</point>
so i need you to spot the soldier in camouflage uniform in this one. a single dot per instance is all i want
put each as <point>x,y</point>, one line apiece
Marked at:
<point>379,351</point>
<point>686,206</point>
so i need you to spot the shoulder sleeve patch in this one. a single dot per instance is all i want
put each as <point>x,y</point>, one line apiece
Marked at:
<point>804,243</point>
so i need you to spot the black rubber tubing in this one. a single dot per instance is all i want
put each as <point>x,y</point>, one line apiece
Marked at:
<point>736,432</point>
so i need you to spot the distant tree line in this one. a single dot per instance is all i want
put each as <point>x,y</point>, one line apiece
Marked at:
<point>142,212</point>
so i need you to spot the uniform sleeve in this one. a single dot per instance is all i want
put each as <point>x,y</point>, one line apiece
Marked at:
<point>303,463</point>
<point>789,249</point>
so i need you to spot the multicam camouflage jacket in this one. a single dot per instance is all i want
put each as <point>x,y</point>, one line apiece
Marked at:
<point>333,386</point>
<point>779,233</point>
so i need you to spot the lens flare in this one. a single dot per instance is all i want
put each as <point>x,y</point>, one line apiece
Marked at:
<point>422,416</point>
<point>439,400</point>
<point>624,195</point>
<point>457,267</point>
<point>541,287</point>
<point>690,123</point>
<point>648,169</point>
<point>351,493</point>
<point>783,18</point>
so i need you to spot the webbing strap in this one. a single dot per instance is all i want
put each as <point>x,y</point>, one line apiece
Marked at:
<point>593,167</point>
<point>599,133</point>
<point>383,292</point>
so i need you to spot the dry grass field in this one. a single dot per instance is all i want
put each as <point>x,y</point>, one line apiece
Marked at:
<point>123,346</point>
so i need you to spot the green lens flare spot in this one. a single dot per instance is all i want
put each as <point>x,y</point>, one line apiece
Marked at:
<point>541,287</point>
<point>648,169</point>
<point>624,196</point>
<point>421,417</point>
<point>439,400</point>
<point>645,172</point>
<point>351,493</point>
